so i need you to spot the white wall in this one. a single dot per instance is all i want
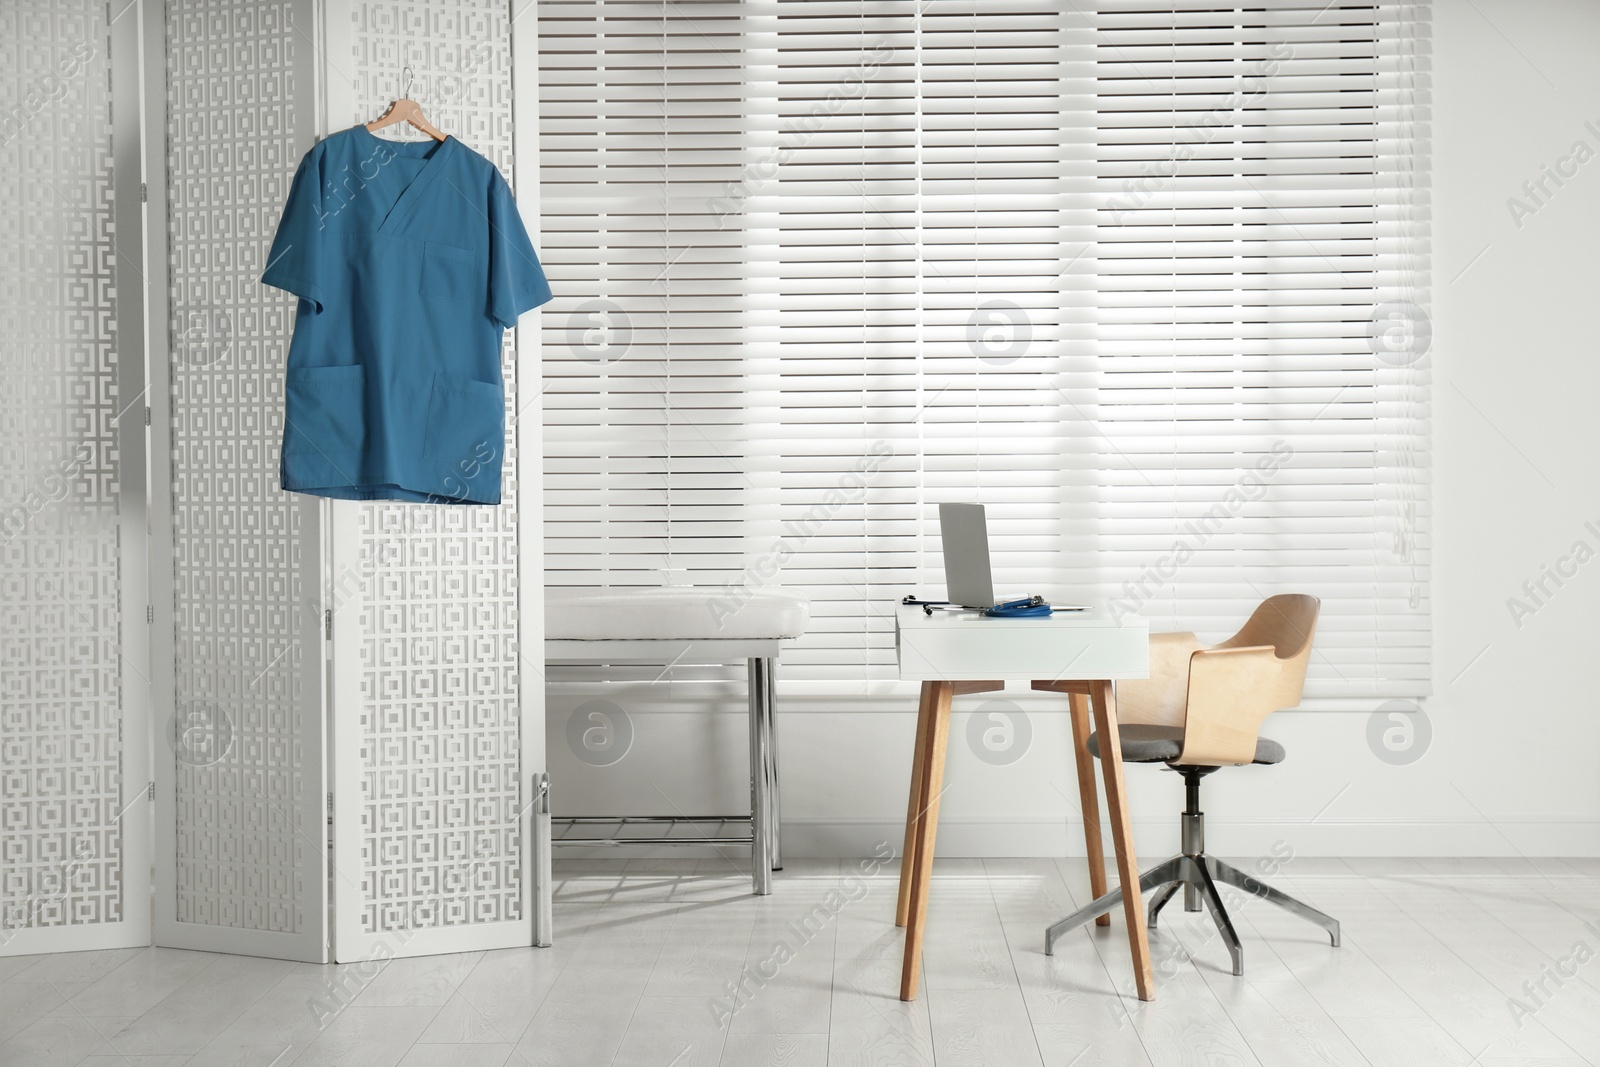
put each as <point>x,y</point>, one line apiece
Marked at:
<point>1513,765</point>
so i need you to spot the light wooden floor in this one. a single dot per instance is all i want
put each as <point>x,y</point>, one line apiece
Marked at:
<point>647,954</point>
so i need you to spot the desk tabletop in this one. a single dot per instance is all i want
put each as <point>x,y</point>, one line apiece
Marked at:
<point>967,646</point>
<point>907,616</point>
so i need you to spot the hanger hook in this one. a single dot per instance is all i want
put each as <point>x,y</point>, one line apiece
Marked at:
<point>405,85</point>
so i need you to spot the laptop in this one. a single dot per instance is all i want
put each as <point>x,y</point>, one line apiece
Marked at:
<point>969,583</point>
<point>964,532</point>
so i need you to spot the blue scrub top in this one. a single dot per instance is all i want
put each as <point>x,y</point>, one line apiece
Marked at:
<point>410,260</point>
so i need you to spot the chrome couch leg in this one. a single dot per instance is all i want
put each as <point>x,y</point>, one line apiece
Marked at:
<point>760,671</point>
<point>774,794</point>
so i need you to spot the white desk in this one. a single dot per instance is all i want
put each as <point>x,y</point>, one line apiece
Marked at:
<point>1079,653</point>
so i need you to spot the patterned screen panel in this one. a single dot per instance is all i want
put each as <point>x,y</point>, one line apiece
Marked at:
<point>440,665</point>
<point>236,130</point>
<point>60,667</point>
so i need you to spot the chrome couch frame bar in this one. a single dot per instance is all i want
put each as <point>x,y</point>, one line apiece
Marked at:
<point>761,658</point>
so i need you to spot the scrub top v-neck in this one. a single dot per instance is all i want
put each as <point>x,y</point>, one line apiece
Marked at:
<point>410,260</point>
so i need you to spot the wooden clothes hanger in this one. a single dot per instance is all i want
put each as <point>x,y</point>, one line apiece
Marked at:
<point>406,109</point>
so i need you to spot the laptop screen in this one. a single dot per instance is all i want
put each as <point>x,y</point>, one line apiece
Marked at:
<point>964,533</point>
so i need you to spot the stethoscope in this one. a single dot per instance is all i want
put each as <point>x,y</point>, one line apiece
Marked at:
<point>1032,607</point>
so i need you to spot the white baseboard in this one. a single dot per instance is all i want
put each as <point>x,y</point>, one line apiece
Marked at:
<point>1153,839</point>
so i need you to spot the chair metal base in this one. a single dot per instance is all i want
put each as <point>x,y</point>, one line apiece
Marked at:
<point>1197,875</point>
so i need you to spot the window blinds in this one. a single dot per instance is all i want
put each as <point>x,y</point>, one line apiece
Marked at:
<point>1145,282</point>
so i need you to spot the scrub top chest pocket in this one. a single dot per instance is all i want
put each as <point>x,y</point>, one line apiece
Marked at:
<point>451,273</point>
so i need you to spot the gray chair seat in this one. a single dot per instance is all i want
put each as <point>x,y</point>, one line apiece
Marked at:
<point>1146,743</point>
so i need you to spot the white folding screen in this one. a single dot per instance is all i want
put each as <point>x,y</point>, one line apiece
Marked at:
<point>218,648</point>
<point>1147,281</point>
<point>74,823</point>
<point>437,631</point>
<point>238,658</point>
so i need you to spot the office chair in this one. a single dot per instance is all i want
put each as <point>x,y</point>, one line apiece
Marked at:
<point>1200,710</point>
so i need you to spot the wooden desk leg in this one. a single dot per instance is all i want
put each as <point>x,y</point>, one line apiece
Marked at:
<point>930,786</point>
<point>1079,703</point>
<point>908,855</point>
<point>1105,721</point>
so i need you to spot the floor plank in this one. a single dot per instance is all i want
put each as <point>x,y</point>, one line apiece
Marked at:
<point>497,1000</point>
<point>278,1026</point>
<point>191,1016</point>
<point>583,1018</point>
<point>789,964</point>
<point>870,1025</point>
<point>1073,1005</point>
<point>682,1031</point>
<point>366,1037</point>
<point>775,1050</point>
<point>981,1027</point>
<point>142,981</point>
<point>704,950</point>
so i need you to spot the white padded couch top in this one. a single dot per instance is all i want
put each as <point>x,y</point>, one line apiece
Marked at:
<point>673,613</point>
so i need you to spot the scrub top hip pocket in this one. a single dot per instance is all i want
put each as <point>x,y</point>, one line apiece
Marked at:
<point>465,433</point>
<point>324,411</point>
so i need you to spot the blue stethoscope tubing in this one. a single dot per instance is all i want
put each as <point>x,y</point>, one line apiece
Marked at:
<point>1032,607</point>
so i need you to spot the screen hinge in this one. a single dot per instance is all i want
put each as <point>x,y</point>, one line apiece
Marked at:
<point>147,414</point>
<point>144,193</point>
<point>149,613</point>
<point>150,792</point>
<point>327,623</point>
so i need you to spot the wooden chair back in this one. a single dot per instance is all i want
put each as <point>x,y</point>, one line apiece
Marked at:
<point>1220,694</point>
<point>1235,685</point>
